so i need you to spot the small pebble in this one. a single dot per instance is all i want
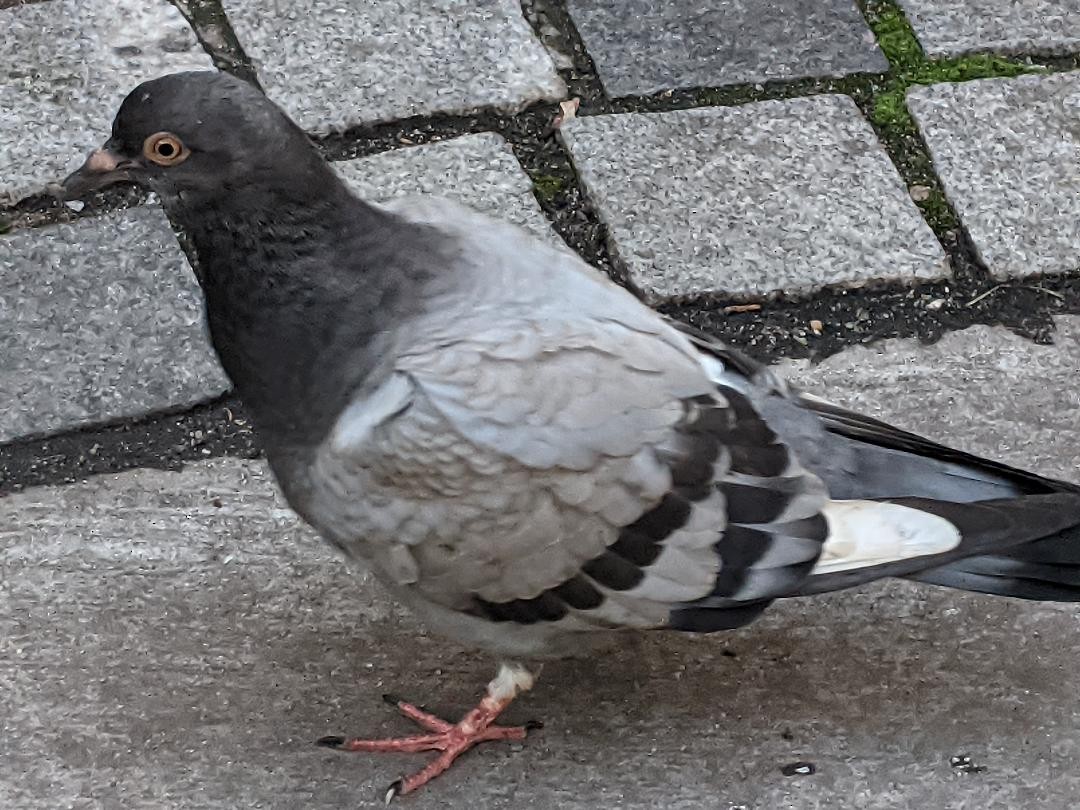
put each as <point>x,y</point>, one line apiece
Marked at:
<point>963,764</point>
<point>919,193</point>
<point>799,769</point>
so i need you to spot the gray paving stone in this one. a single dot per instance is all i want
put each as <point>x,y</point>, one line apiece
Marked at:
<point>983,389</point>
<point>67,65</point>
<point>1008,151</point>
<point>950,27</point>
<point>641,46</point>
<point>334,63</point>
<point>99,319</point>
<point>158,651</point>
<point>479,170</point>
<point>778,195</point>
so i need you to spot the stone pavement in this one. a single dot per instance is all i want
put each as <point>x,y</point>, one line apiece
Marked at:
<point>679,210</point>
<point>801,177</point>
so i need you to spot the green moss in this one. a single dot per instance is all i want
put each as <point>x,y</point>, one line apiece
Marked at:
<point>909,65</point>
<point>548,186</point>
<point>889,109</point>
<point>894,35</point>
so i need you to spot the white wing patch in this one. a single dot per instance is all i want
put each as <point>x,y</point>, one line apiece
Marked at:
<point>719,374</point>
<point>866,533</point>
<point>354,425</point>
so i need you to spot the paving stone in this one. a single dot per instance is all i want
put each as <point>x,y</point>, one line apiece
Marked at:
<point>951,27</point>
<point>1008,152</point>
<point>67,65</point>
<point>336,63</point>
<point>778,195</point>
<point>983,389</point>
<point>479,170</point>
<point>641,46</point>
<point>99,319</point>
<point>159,651</point>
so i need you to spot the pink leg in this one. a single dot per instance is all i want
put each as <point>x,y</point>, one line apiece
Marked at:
<point>452,740</point>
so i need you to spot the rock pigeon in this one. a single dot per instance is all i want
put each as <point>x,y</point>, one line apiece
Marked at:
<point>522,451</point>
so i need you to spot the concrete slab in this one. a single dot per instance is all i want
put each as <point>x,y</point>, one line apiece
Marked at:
<point>479,170</point>
<point>778,195</point>
<point>99,319</point>
<point>641,46</point>
<point>179,639</point>
<point>1008,153</point>
<point>336,63</point>
<point>67,66</point>
<point>982,389</point>
<point>951,27</point>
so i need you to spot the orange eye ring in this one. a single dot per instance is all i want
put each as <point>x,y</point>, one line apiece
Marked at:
<point>165,149</point>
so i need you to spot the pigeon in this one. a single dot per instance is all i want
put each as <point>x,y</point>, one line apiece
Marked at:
<point>523,452</point>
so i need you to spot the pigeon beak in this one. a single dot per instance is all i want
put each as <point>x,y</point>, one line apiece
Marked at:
<point>103,168</point>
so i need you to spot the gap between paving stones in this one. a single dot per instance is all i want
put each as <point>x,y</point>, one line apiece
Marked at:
<point>780,329</point>
<point>215,33</point>
<point>165,441</point>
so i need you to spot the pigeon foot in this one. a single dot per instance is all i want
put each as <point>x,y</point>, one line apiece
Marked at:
<point>452,739</point>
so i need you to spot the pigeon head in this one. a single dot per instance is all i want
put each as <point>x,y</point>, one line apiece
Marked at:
<point>197,135</point>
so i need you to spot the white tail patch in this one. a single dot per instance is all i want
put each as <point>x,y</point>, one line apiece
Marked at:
<point>866,533</point>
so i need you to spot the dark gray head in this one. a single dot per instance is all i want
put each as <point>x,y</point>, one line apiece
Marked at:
<point>300,277</point>
<point>198,134</point>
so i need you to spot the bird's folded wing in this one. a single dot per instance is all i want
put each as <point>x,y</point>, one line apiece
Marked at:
<point>590,471</point>
<point>559,394</point>
<point>544,455</point>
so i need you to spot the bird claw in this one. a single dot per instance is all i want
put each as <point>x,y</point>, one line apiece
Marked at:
<point>393,791</point>
<point>449,739</point>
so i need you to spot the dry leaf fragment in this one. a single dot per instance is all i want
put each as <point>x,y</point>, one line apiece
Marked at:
<point>736,308</point>
<point>567,112</point>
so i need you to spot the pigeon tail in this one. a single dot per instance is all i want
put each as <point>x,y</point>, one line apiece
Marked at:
<point>1027,547</point>
<point>1019,533</point>
<point>899,505</point>
<point>1047,569</point>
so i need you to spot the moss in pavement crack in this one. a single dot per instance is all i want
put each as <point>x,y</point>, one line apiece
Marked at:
<point>909,65</point>
<point>548,186</point>
<point>887,107</point>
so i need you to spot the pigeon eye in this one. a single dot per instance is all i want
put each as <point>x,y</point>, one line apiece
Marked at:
<point>165,149</point>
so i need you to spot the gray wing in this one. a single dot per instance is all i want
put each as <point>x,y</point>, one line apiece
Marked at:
<point>552,450</point>
<point>573,483</point>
